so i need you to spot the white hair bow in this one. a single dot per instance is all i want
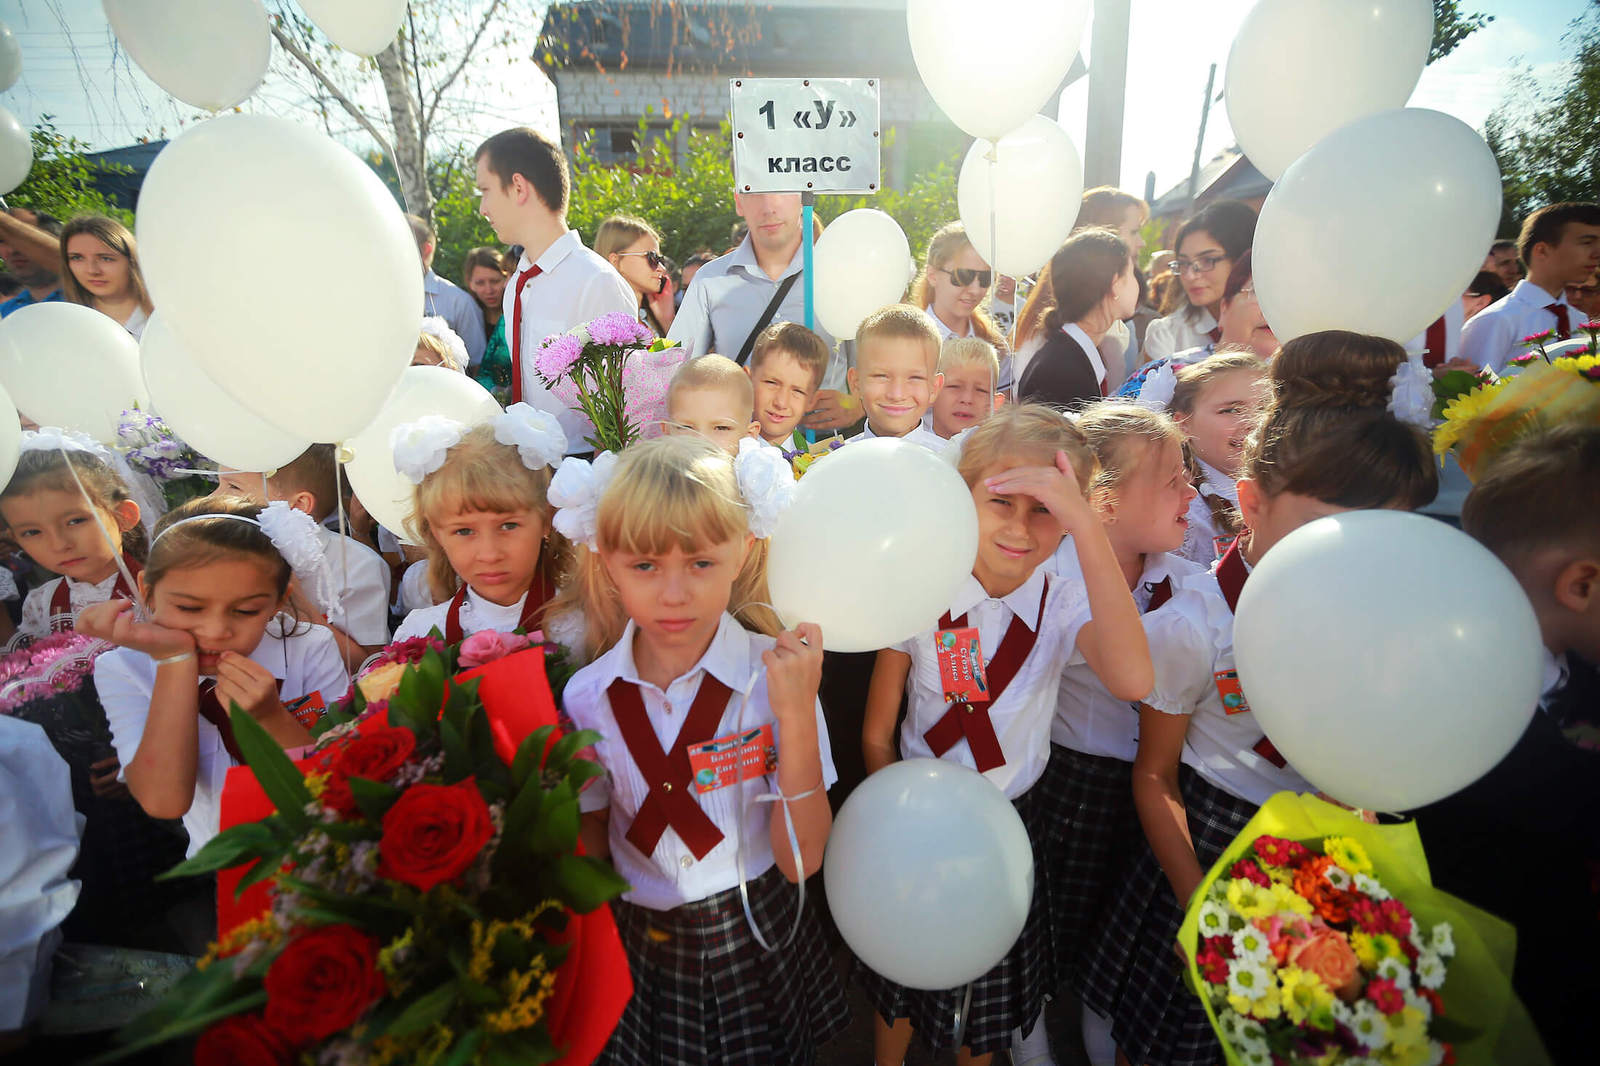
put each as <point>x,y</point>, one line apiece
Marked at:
<point>419,447</point>
<point>766,481</point>
<point>575,492</point>
<point>298,538</point>
<point>1411,392</point>
<point>1156,391</point>
<point>537,435</point>
<point>56,439</point>
<point>439,327</point>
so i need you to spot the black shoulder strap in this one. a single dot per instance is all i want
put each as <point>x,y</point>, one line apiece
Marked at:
<point>766,317</point>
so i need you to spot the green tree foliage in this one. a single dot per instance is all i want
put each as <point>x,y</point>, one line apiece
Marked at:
<point>1547,140</point>
<point>1451,27</point>
<point>61,182</point>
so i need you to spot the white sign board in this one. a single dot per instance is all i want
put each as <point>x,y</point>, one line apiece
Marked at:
<point>805,134</point>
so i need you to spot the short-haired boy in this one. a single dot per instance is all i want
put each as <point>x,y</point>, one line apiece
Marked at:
<point>971,371</point>
<point>310,484</point>
<point>896,374</point>
<point>786,367</point>
<point>713,398</point>
<point>1537,507</point>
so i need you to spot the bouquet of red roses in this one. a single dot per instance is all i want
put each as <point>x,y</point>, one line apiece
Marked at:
<point>430,902</point>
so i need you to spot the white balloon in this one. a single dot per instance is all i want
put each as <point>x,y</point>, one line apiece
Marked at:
<point>1027,47</point>
<point>312,354</point>
<point>365,27</point>
<point>16,152</point>
<point>10,58</point>
<point>10,437</point>
<point>209,53</point>
<point>881,577</point>
<point>1034,186</point>
<point>863,262</point>
<point>1391,659</point>
<point>929,873</point>
<point>423,390</point>
<point>1378,228</point>
<point>201,413</point>
<point>1300,69</point>
<point>71,366</point>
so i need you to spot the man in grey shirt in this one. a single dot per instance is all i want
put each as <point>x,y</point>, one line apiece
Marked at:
<point>723,305</point>
<point>439,297</point>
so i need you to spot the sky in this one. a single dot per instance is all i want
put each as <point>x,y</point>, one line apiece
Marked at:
<point>73,71</point>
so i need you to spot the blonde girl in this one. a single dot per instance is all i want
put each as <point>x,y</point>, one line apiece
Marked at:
<point>482,513</point>
<point>216,585</point>
<point>633,248</point>
<point>1029,471</point>
<point>665,562</point>
<point>102,261</point>
<point>1217,401</point>
<point>951,290</point>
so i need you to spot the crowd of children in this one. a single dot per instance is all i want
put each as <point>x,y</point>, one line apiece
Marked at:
<point>1113,544</point>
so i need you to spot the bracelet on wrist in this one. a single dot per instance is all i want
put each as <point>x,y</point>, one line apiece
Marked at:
<point>173,660</point>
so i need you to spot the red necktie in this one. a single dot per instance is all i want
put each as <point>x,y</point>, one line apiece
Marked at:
<point>61,620</point>
<point>516,330</point>
<point>1435,341</point>
<point>671,799</point>
<point>971,720</point>
<point>540,592</point>
<point>1563,323</point>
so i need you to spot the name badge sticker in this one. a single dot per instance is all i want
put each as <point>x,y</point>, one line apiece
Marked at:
<point>734,758</point>
<point>961,665</point>
<point>1232,695</point>
<point>307,710</point>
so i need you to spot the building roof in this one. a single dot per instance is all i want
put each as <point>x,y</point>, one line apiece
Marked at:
<point>1227,176</point>
<point>841,39</point>
<point>122,188</point>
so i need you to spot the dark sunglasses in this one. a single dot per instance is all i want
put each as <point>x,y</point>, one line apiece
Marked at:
<point>962,277</point>
<point>656,260</point>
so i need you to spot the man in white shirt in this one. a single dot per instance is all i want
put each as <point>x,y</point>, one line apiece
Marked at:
<point>444,300</point>
<point>723,309</point>
<point>559,284</point>
<point>1560,243</point>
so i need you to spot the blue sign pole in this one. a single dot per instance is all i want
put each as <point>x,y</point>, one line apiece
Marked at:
<point>807,202</point>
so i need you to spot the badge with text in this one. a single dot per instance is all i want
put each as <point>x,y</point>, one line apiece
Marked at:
<point>307,710</point>
<point>961,665</point>
<point>733,758</point>
<point>1232,695</point>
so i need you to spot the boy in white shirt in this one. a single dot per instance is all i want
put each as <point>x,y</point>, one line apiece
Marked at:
<point>896,375</point>
<point>786,366</point>
<point>309,484</point>
<point>971,371</point>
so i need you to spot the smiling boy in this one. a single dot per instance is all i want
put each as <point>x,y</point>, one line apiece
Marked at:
<point>897,352</point>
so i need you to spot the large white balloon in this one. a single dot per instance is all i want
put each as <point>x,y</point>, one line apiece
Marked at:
<point>888,573</point>
<point>202,413</point>
<point>863,262</point>
<point>929,873</point>
<point>310,318</point>
<point>69,365</point>
<point>16,152</point>
<point>1391,659</point>
<point>1378,228</point>
<point>1033,184</point>
<point>1027,47</point>
<point>209,53</point>
<point>10,58</point>
<point>1300,69</point>
<point>365,27</point>
<point>10,437</point>
<point>423,390</point>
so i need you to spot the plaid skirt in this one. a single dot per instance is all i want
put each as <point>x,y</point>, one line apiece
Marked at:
<point>1131,972</point>
<point>1091,834</point>
<point>706,993</point>
<point>1008,997</point>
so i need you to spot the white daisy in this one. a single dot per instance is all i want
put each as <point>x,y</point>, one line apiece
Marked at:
<point>1248,978</point>
<point>1251,943</point>
<point>1213,918</point>
<point>1444,943</point>
<point>1369,1025</point>
<point>1337,876</point>
<point>1252,1031</point>
<point>1254,1054</point>
<point>1435,1053</point>
<point>1430,970</point>
<point>1396,970</point>
<point>1369,886</point>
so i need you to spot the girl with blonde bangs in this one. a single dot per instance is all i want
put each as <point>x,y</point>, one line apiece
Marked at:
<point>1029,470</point>
<point>670,536</point>
<point>483,514</point>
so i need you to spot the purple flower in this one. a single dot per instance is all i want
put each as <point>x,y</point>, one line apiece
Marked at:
<point>617,329</point>
<point>557,356</point>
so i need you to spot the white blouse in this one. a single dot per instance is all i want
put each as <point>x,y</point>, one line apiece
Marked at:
<point>1200,542</point>
<point>1177,332</point>
<point>477,614</point>
<point>80,595</point>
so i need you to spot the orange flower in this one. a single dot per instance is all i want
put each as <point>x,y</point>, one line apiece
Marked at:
<point>1330,904</point>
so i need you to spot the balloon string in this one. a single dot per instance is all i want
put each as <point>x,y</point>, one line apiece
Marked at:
<point>338,606</point>
<point>116,552</point>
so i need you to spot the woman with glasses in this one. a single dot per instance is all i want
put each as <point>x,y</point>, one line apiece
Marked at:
<point>1208,246</point>
<point>1095,287</point>
<point>951,289</point>
<point>633,247</point>
<point>1241,327</point>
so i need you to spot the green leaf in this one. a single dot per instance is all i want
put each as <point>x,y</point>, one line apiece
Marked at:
<point>335,716</point>
<point>525,1047</point>
<point>425,1011</point>
<point>256,874</point>
<point>457,760</point>
<point>588,882</point>
<point>465,1049</point>
<point>189,1025</point>
<point>557,831</point>
<point>581,772</point>
<point>251,840</point>
<point>524,809</point>
<point>530,754</point>
<point>570,745</point>
<point>280,779</point>
<point>373,797</point>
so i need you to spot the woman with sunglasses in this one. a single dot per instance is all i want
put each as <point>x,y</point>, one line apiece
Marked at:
<point>951,289</point>
<point>633,247</point>
<point>1208,246</point>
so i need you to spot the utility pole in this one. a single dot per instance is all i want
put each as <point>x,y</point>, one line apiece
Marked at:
<point>1199,141</point>
<point>1108,86</point>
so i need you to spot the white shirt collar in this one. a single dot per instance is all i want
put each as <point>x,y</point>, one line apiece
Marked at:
<point>1529,293</point>
<point>1554,672</point>
<point>552,256</point>
<point>99,587</point>
<point>727,659</point>
<point>939,324</point>
<point>1073,330</point>
<point>492,613</point>
<point>745,256</point>
<point>1225,486</point>
<point>1023,601</point>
